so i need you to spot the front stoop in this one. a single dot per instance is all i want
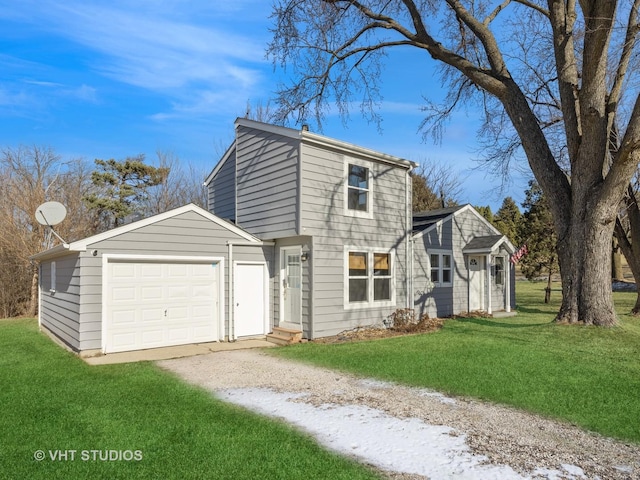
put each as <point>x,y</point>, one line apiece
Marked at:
<point>284,336</point>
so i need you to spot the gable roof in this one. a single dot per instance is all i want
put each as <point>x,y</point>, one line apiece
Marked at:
<point>488,244</point>
<point>305,136</point>
<point>424,220</point>
<point>81,245</point>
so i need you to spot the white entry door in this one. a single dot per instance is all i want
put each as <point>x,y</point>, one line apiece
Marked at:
<point>291,285</point>
<point>476,283</point>
<point>249,299</point>
<point>153,304</point>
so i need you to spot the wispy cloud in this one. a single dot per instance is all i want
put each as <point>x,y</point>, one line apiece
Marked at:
<point>168,48</point>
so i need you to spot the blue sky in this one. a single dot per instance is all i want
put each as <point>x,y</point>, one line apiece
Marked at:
<point>97,79</point>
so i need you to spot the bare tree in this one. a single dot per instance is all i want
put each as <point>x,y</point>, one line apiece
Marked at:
<point>30,176</point>
<point>183,184</point>
<point>434,186</point>
<point>558,83</point>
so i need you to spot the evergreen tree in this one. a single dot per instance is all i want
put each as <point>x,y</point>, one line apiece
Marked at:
<point>537,233</point>
<point>508,219</point>
<point>120,187</point>
<point>485,212</point>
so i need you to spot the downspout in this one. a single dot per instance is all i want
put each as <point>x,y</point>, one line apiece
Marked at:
<point>409,240</point>
<point>230,287</point>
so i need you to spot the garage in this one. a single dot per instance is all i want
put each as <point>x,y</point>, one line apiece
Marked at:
<point>162,281</point>
<point>155,302</point>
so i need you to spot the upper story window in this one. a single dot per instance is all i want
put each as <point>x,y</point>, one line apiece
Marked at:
<point>358,190</point>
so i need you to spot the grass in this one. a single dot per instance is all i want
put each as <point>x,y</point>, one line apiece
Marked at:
<point>587,376</point>
<point>52,401</point>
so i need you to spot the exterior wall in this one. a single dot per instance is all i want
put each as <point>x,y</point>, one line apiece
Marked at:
<point>60,310</point>
<point>222,190</point>
<point>323,217</point>
<point>184,235</point>
<point>451,235</point>
<point>267,183</point>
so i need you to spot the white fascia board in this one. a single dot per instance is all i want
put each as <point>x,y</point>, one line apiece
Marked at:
<point>81,245</point>
<point>220,164</point>
<point>322,141</point>
<point>51,253</point>
<point>350,148</point>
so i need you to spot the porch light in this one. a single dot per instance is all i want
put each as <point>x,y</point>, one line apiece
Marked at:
<point>304,257</point>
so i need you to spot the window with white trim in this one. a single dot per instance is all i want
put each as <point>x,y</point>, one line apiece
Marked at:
<point>441,268</point>
<point>369,277</point>
<point>498,269</point>
<point>358,189</point>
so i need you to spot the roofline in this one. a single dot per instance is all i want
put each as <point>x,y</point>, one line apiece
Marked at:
<point>464,208</point>
<point>219,165</point>
<point>81,245</point>
<point>440,221</point>
<point>494,247</point>
<point>315,138</point>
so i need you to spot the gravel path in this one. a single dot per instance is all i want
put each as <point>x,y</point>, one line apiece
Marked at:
<point>530,445</point>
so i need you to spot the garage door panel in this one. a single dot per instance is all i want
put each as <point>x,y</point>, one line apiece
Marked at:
<point>151,292</point>
<point>124,294</point>
<point>124,317</point>
<point>161,304</point>
<point>150,270</point>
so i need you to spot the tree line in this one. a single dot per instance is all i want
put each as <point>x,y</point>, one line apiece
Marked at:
<point>98,195</point>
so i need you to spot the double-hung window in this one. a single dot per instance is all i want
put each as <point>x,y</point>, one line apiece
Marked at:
<point>498,270</point>
<point>358,189</point>
<point>441,268</point>
<point>369,277</point>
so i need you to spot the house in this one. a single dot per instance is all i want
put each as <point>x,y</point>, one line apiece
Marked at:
<point>338,214</point>
<point>460,264</point>
<point>303,233</point>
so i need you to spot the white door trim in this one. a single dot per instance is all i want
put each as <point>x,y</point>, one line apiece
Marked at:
<point>298,250</point>
<point>265,285</point>
<point>107,257</point>
<point>480,279</point>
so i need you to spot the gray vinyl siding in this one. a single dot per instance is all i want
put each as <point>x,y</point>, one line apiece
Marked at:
<point>451,235</point>
<point>323,217</point>
<point>60,310</point>
<point>188,234</point>
<point>267,183</point>
<point>222,190</point>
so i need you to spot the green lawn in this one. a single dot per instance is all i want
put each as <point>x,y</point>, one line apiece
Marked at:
<point>51,401</point>
<point>585,375</point>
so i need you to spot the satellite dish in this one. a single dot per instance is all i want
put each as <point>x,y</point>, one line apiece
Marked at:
<point>50,213</point>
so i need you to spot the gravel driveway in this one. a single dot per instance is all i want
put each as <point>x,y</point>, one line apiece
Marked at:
<point>476,439</point>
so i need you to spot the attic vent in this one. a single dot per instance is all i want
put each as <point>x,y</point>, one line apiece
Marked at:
<point>305,127</point>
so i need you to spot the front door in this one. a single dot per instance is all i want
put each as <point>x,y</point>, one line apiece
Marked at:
<point>476,283</point>
<point>291,285</point>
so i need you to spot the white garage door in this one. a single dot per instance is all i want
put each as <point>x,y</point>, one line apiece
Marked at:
<point>151,304</point>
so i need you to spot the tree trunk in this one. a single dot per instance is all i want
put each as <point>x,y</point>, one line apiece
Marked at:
<point>617,273</point>
<point>630,245</point>
<point>585,268</point>
<point>547,291</point>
